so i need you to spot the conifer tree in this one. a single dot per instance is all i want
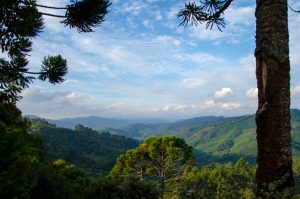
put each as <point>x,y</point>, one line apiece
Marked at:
<point>274,174</point>
<point>20,22</point>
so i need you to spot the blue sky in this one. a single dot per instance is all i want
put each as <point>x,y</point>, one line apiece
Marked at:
<point>140,64</point>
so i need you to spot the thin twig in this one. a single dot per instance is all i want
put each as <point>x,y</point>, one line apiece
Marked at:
<point>294,10</point>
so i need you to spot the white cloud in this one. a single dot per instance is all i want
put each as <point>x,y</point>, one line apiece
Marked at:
<point>203,34</point>
<point>295,90</point>
<point>193,82</point>
<point>174,10</point>
<point>52,22</point>
<point>61,104</point>
<point>223,93</point>
<point>200,58</point>
<point>122,68</point>
<point>239,20</point>
<point>208,104</point>
<point>240,16</point>
<point>176,107</point>
<point>157,15</point>
<point>248,63</point>
<point>133,8</point>
<point>167,40</point>
<point>252,93</point>
<point>231,105</point>
<point>147,24</point>
<point>152,1</point>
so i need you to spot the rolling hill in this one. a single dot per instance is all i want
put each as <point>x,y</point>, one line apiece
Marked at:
<point>218,139</point>
<point>215,139</point>
<point>95,152</point>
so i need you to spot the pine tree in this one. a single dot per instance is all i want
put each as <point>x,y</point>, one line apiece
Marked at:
<point>274,174</point>
<point>20,22</point>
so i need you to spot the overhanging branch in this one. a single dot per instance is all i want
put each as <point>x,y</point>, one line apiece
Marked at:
<point>51,7</point>
<point>52,15</point>
<point>209,12</point>
<point>294,9</point>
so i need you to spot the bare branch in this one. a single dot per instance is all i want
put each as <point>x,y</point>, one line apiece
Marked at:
<point>51,7</point>
<point>32,73</point>
<point>52,15</point>
<point>294,9</point>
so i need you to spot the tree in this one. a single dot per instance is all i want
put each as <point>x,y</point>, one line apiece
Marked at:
<point>20,21</point>
<point>20,163</point>
<point>274,176</point>
<point>158,158</point>
<point>219,181</point>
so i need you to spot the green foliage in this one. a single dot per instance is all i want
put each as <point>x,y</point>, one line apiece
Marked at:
<point>83,129</point>
<point>61,180</point>
<point>208,11</point>
<point>127,188</point>
<point>10,117</point>
<point>20,156</point>
<point>131,187</point>
<point>157,160</point>
<point>95,152</point>
<point>38,124</point>
<point>53,68</point>
<point>20,22</point>
<point>220,181</point>
<point>216,139</point>
<point>25,172</point>
<point>78,17</point>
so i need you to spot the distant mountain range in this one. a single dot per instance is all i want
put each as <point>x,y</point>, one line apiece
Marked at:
<point>93,122</point>
<point>215,139</point>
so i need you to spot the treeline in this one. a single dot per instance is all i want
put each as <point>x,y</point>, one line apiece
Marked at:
<point>95,152</point>
<point>26,172</point>
<point>160,167</point>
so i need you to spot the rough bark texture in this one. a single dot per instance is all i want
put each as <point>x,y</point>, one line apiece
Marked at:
<point>274,174</point>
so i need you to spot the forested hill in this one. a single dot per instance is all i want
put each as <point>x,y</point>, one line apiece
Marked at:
<point>216,139</point>
<point>93,151</point>
<point>95,122</point>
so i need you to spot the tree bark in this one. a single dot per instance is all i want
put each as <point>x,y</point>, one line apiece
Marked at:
<point>274,175</point>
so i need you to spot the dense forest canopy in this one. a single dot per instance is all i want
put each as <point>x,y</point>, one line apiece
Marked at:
<point>41,175</point>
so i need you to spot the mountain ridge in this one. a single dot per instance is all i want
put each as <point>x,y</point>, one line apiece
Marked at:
<point>214,139</point>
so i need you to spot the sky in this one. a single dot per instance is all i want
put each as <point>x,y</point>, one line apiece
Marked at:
<point>139,64</point>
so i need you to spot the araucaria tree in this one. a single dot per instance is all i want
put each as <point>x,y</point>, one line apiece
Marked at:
<point>274,176</point>
<point>20,21</point>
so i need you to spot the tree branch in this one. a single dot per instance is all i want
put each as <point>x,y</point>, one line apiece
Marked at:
<point>32,73</point>
<point>209,12</point>
<point>293,9</point>
<point>217,14</point>
<point>52,15</point>
<point>52,7</point>
<point>49,7</point>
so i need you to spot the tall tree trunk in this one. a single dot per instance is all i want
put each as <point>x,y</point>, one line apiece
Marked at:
<point>274,175</point>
